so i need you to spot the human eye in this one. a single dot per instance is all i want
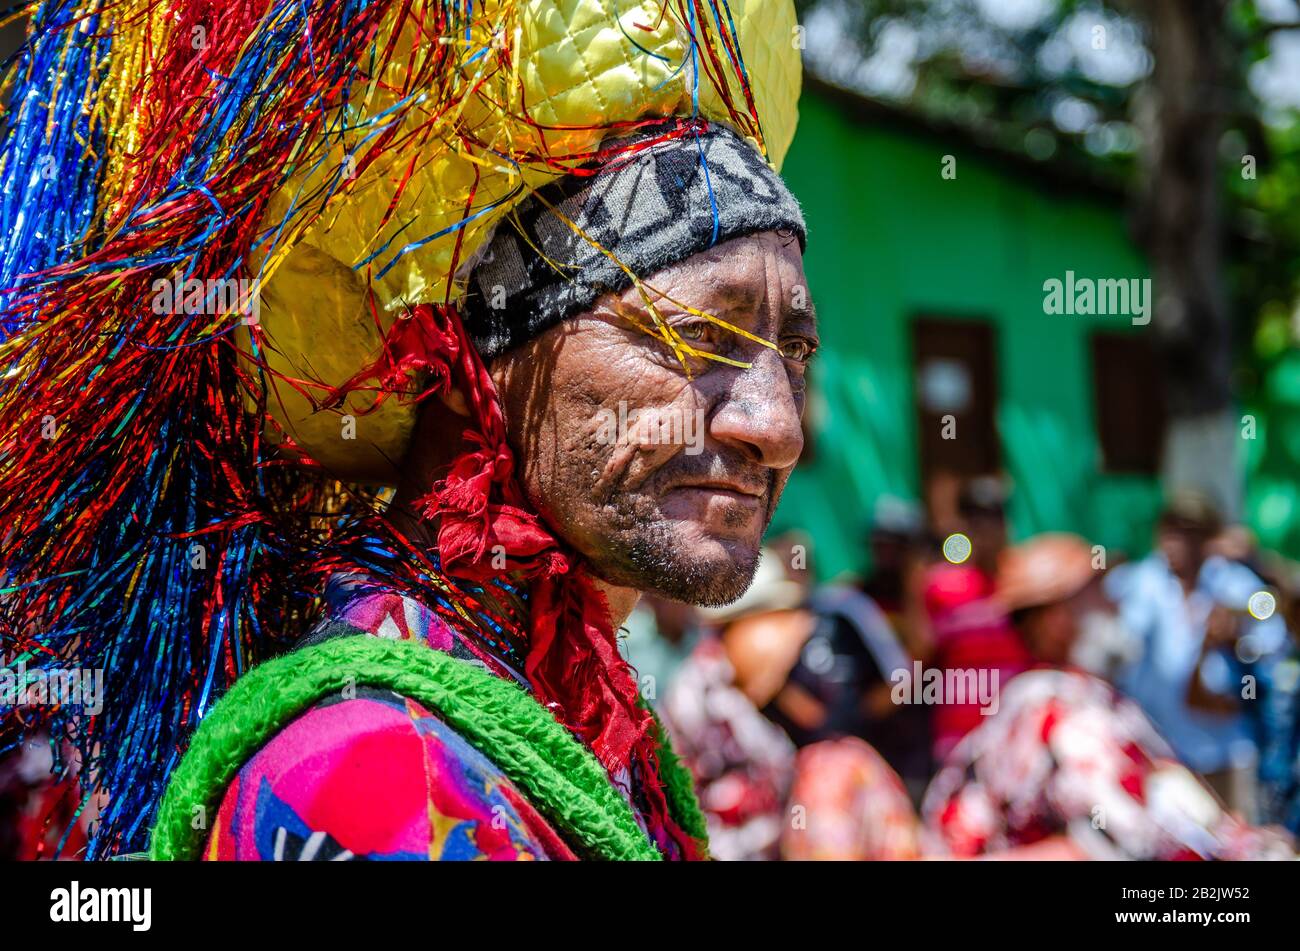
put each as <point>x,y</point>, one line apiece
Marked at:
<point>798,348</point>
<point>700,334</point>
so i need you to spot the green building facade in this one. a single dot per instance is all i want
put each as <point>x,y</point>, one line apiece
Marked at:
<point>893,243</point>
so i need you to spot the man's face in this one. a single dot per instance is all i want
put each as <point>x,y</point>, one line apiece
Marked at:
<point>1181,548</point>
<point>666,480</point>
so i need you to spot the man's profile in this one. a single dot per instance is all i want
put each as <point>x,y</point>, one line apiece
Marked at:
<point>354,569</point>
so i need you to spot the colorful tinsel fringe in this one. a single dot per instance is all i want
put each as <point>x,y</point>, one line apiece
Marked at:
<point>148,526</point>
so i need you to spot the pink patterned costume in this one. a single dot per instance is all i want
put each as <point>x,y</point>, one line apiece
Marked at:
<point>376,776</point>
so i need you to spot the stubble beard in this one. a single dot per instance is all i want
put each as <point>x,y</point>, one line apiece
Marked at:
<point>645,550</point>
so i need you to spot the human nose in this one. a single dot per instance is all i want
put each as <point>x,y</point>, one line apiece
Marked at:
<point>760,413</point>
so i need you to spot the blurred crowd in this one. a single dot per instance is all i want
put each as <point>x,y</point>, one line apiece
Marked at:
<point>965,697</point>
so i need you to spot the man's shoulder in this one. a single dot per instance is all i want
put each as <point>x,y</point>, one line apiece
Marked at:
<point>374,775</point>
<point>355,607</point>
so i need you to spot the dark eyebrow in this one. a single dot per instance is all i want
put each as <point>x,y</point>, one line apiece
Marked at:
<point>800,317</point>
<point>724,295</point>
<point>730,295</point>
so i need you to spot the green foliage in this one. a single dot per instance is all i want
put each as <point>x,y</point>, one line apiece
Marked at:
<point>1039,86</point>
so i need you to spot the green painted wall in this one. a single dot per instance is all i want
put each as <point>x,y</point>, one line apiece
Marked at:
<point>889,239</point>
<point>1272,458</point>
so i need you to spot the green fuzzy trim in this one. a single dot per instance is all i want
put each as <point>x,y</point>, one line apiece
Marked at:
<point>557,774</point>
<point>679,790</point>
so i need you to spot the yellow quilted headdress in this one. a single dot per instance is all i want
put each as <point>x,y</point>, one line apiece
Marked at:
<point>548,79</point>
<point>401,132</point>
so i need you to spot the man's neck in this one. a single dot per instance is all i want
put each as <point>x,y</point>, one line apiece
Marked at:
<point>621,601</point>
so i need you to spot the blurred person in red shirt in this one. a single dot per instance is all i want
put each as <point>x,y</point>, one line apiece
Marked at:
<point>969,629</point>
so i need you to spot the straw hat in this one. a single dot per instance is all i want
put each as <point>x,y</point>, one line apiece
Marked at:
<point>1046,569</point>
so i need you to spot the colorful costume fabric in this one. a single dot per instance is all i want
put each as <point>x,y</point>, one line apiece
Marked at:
<point>377,776</point>
<point>1067,755</point>
<point>848,805</point>
<point>743,763</point>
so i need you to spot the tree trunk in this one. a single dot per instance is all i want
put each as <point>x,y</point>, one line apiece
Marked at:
<point>1179,223</point>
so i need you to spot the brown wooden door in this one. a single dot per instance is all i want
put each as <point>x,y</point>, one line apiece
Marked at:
<point>955,372</point>
<point>1128,401</point>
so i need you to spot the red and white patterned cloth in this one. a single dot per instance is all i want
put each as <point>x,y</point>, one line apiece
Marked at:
<point>837,799</point>
<point>847,804</point>
<point>1067,754</point>
<point>742,762</point>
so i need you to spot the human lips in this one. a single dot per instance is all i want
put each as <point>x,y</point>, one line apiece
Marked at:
<point>719,497</point>
<point>738,489</point>
<point>716,488</point>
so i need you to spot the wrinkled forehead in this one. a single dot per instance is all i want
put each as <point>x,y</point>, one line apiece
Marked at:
<point>743,274</point>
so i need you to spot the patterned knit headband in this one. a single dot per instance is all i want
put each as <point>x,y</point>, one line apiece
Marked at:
<point>677,197</point>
